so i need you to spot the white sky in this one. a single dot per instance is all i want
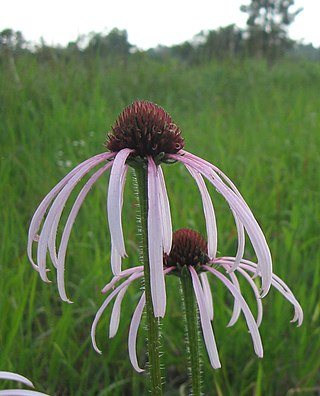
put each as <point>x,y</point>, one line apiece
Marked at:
<point>148,23</point>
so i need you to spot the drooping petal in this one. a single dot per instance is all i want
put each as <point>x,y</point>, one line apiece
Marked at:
<point>68,227</point>
<point>52,221</point>
<point>227,264</point>
<point>49,230</point>
<point>164,213</point>
<point>106,303</point>
<point>253,328</point>
<point>133,330</point>
<point>213,168</point>
<point>115,199</point>
<point>241,209</point>
<point>8,375</point>
<point>207,294</point>
<point>236,306</point>
<point>241,243</point>
<point>21,392</point>
<point>158,292</point>
<point>282,287</point>
<point>42,208</point>
<point>205,320</point>
<point>122,274</point>
<point>256,293</point>
<point>115,315</point>
<point>208,213</point>
<point>116,258</point>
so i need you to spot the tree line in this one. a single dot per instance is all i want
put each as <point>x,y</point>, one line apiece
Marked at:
<point>265,36</point>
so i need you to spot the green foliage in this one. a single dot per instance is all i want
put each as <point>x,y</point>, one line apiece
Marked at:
<point>260,126</point>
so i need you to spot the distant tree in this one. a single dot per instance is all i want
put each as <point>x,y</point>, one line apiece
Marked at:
<point>113,44</point>
<point>184,52</point>
<point>224,43</point>
<point>268,22</point>
<point>11,43</point>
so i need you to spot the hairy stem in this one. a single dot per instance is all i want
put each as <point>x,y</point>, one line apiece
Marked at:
<point>191,313</point>
<point>153,342</point>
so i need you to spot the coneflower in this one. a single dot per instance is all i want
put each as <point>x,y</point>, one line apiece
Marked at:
<point>144,137</point>
<point>189,258</point>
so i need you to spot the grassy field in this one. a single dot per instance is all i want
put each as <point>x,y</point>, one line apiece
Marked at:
<point>261,126</point>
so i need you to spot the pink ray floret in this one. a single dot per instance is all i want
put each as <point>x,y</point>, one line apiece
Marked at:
<point>144,135</point>
<point>189,250</point>
<point>9,376</point>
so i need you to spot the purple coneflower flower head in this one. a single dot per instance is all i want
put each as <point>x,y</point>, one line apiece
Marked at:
<point>144,135</point>
<point>6,375</point>
<point>190,252</point>
<point>147,129</point>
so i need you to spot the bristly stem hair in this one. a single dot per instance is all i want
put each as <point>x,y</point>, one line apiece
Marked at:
<point>153,333</point>
<point>192,327</point>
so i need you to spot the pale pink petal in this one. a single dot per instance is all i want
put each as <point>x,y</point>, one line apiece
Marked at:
<point>115,259</point>
<point>253,328</point>
<point>132,339</point>
<point>244,214</point>
<point>169,269</point>
<point>282,287</point>
<point>236,306</point>
<point>68,227</point>
<point>115,199</point>
<point>240,207</point>
<point>115,315</point>
<point>158,292</point>
<point>7,375</point>
<point>48,234</point>
<point>42,208</point>
<point>106,303</point>
<point>122,275</point>
<point>21,392</point>
<point>207,294</point>
<point>256,293</point>
<point>298,312</point>
<point>213,168</point>
<point>205,320</point>
<point>229,264</point>
<point>208,213</point>
<point>164,213</point>
<point>49,229</point>
<point>241,243</point>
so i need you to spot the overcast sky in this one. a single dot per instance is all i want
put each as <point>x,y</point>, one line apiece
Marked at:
<point>147,22</point>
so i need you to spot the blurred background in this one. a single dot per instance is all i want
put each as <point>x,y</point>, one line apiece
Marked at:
<point>242,80</point>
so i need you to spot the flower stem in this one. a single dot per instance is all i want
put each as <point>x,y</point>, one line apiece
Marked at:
<point>192,339</point>
<point>153,342</point>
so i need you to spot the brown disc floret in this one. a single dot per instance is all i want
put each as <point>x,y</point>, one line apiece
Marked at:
<point>188,248</point>
<point>147,129</point>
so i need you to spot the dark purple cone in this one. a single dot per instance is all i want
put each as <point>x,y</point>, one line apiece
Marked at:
<point>188,248</point>
<point>146,128</point>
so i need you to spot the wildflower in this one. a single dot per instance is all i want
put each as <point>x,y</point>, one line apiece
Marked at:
<point>6,375</point>
<point>144,135</point>
<point>189,252</point>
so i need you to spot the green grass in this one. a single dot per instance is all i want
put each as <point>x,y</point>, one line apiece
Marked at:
<point>259,125</point>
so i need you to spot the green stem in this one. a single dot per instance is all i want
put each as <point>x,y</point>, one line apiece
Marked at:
<point>192,338</point>
<point>153,342</point>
